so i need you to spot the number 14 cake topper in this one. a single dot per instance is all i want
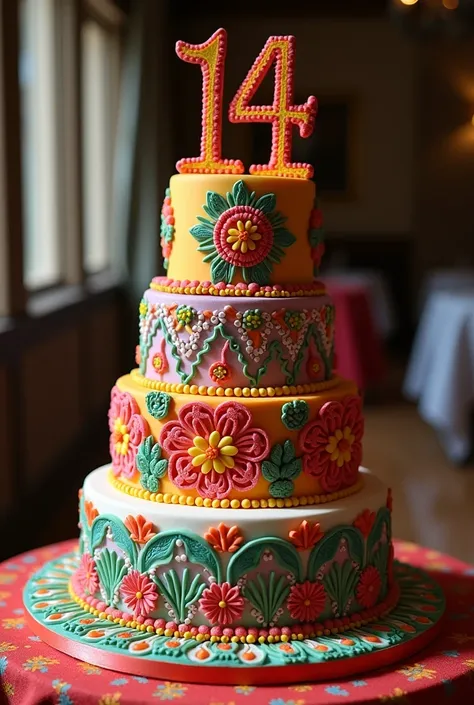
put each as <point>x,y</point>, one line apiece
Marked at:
<point>282,114</point>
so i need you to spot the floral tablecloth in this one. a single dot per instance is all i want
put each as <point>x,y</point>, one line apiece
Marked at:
<point>32,672</point>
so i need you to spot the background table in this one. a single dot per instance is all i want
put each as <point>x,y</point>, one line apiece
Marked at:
<point>440,373</point>
<point>358,344</point>
<point>32,672</point>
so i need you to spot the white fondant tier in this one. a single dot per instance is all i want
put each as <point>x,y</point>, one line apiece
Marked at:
<point>212,570</point>
<point>253,523</point>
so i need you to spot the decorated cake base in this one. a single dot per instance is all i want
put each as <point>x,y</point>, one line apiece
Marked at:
<point>78,630</point>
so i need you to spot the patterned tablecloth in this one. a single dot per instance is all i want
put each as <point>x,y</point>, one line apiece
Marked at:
<point>32,672</point>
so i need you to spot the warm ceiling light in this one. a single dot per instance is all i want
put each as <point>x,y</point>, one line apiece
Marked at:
<point>450,4</point>
<point>409,2</point>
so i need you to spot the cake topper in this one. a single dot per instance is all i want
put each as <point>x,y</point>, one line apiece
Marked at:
<point>211,57</point>
<point>282,114</point>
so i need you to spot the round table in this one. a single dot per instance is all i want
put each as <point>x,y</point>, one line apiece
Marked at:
<point>32,672</point>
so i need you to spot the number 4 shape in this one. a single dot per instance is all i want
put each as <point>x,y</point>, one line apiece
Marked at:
<point>282,114</point>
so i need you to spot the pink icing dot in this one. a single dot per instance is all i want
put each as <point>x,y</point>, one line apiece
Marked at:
<point>183,628</point>
<point>185,282</point>
<point>241,286</point>
<point>253,631</point>
<point>148,622</point>
<point>194,283</point>
<point>307,629</point>
<point>286,630</point>
<point>194,631</point>
<point>318,627</point>
<point>253,287</point>
<point>268,288</point>
<point>171,625</point>
<point>216,631</point>
<point>274,631</point>
<point>263,632</point>
<point>140,619</point>
<point>220,285</point>
<point>206,285</point>
<point>329,624</point>
<point>277,287</point>
<point>240,631</point>
<point>227,631</point>
<point>159,623</point>
<point>203,629</point>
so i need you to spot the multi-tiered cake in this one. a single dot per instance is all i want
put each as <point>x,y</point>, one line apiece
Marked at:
<point>234,525</point>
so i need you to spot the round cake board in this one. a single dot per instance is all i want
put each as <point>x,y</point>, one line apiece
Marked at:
<point>60,622</point>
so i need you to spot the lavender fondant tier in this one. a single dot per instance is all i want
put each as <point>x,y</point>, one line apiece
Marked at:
<point>236,341</point>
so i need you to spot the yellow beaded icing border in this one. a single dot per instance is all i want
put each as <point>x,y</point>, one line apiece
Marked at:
<point>242,293</point>
<point>202,390</point>
<point>270,502</point>
<point>391,601</point>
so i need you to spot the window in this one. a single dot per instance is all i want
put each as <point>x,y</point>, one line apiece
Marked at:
<point>100,88</point>
<point>40,128</point>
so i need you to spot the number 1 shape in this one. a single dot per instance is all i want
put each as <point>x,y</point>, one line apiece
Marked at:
<point>282,114</point>
<point>211,57</point>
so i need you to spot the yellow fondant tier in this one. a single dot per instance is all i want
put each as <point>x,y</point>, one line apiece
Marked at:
<point>281,248</point>
<point>220,449</point>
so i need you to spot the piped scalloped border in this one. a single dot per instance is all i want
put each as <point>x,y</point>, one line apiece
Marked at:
<point>256,392</point>
<point>240,634</point>
<point>207,288</point>
<point>272,503</point>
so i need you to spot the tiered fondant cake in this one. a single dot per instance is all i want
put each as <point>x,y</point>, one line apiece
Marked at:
<point>235,521</point>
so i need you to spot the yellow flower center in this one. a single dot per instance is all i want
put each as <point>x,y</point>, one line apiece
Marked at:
<point>213,453</point>
<point>157,362</point>
<point>139,595</point>
<point>222,604</point>
<point>244,236</point>
<point>307,603</point>
<point>340,444</point>
<point>122,437</point>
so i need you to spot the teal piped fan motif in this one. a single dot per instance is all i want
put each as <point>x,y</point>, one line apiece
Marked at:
<point>160,550</point>
<point>249,556</point>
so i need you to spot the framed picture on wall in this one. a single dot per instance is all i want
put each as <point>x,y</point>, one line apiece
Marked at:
<point>330,149</point>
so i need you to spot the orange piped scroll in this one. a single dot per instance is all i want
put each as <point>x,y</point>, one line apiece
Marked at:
<point>282,114</point>
<point>211,57</point>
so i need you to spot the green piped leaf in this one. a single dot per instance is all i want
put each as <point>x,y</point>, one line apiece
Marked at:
<point>221,271</point>
<point>283,237</point>
<point>267,594</point>
<point>150,464</point>
<point>383,517</point>
<point>160,550</point>
<point>201,232</point>
<point>250,555</point>
<point>282,468</point>
<point>111,569</point>
<point>270,471</point>
<point>340,583</point>
<point>266,203</point>
<point>180,593</point>
<point>158,404</point>
<point>281,488</point>
<point>216,204</point>
<point>240,193</point>
<point>295,414</point>
<point>120,534</point>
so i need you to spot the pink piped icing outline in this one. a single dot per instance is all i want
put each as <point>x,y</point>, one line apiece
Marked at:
<point>209,163</point>
<point>280,163</point>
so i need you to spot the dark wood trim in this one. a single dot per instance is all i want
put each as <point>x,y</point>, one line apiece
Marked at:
<point>14,298</point>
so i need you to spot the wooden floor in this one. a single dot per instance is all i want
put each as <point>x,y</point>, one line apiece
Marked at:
<point>433,499</point>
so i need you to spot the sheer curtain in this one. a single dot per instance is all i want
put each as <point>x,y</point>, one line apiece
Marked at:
<point>142,163</point>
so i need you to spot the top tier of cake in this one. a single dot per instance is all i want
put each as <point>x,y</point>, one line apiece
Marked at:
<point>231,229</point>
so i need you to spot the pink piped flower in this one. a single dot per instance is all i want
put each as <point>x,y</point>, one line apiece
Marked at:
<point>332,444</point>
<point>127,430</point>
<point>139,593</point>
<point>222,604</point>
<point>87,574</point>
<point>214,451</point>
<point>369,587</point>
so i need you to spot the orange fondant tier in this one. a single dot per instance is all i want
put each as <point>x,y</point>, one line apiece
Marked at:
<point>248,229</point>
<point>221,449</point>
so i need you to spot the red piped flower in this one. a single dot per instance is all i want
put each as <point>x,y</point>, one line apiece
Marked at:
<point>214,450</point>
<point>314,366</point>
<point>368,589</point>
<point>90,511</point>
<point>222,604</point>
<point>332,444</point>
<point>87,574</point>
<point>141,530</point>
<point>364,522</point>
<point>139,593</point>
<point>306,601</point>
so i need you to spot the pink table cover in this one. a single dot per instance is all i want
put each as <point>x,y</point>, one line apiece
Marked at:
<point>32,672</point>
<point>359,350</point>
